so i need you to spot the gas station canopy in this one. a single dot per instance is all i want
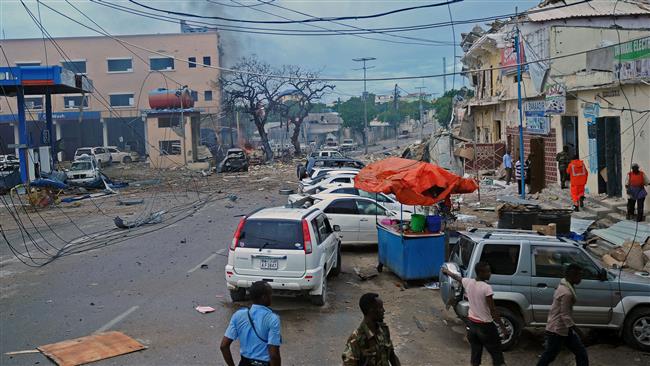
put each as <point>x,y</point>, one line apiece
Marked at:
<point>41,80</point>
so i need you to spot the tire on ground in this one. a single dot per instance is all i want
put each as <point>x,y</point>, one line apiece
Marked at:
<point>517,324</point>
<point>633,317</point>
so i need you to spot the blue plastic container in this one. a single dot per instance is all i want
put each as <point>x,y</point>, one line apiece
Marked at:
<point>415,257</point>
<point>434,223</point>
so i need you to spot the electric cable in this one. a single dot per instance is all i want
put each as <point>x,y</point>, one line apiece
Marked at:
<point>310,20</point>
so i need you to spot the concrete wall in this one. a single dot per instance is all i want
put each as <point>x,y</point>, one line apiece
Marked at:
<point>188,142</point>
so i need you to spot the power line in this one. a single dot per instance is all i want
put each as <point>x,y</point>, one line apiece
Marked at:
<point>310,20</point>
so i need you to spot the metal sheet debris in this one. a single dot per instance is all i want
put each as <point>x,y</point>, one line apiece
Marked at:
<point>579,226</point>
<point>91,348</point>
<point>618,233</point>
<point>204,309</point>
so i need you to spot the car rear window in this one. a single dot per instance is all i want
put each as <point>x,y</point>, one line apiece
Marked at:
<point>83,151</point>
<point>272,234</point>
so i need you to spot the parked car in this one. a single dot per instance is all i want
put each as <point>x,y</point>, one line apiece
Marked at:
<point>329,162</point>
<point>122,156</point>
<point>101,154</point>
<point>403,135</point>
<point>83,171</point>
<point>526,269</point>
<point>326,182</point>
<point>9,162</point>
<point>320,174</point>
<point>326,154</point>
<point>385,200</point>
<point>294,250</point>
<point>355,216</point>
<point>236,160</point>
<point>348,145</point>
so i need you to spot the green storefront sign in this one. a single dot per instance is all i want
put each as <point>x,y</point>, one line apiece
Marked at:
<point>633,50</point>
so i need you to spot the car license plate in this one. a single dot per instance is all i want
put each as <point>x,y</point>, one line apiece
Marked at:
<point>269,264</point>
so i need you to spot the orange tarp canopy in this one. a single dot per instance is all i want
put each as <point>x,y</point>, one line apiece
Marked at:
<point>412,182</point>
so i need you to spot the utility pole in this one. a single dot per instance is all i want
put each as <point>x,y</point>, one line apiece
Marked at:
<point>521,117</point>
<point>444,75</point>
<point>419,88</point>
<point>365,94</point>
<point>396,109</point>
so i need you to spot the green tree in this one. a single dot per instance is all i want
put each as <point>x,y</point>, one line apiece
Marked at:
<point>351,111</point>
<point>444,105</point>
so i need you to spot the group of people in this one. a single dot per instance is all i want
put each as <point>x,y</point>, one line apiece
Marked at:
<point>574,171</point>
<point>258,328</point>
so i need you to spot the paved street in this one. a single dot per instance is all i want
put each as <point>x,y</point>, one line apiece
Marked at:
<point>148,286</point>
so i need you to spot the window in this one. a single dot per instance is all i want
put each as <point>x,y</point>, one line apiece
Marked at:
<point>121,100</point>
<point>99,150</point>
<point>274,234</point>
<point>207,95</point>
<point>112,150</point>
<point>195,95</point>
<point>75,101</point>
<point>161,64</point>
<point>76,66</point>
<point>119,65</point>
<point>191,62</point>
<point>28,63</point>
<point>341,180</point>
<point>206,60</point>
<point>322,227</point>
<point>503,259</point>
<point>34,102</point>
<point>345,207</point>
<point>369,208</point>
<point>380,196</point>
<point>169,122</point>
<point>462,252</point>
<point>346,191</point>
<point>170,147</point>
<point>551,262</point>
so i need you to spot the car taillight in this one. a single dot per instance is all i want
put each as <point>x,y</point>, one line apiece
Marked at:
<point>235,239</point>
<point>306,237</point>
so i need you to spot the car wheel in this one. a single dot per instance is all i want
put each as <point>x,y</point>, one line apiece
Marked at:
<point>336,270</point>
<point>319,300</point>
<point>238,294</point>
<point>636,329</point>
<point>127,159</point>
<point>514,324</point>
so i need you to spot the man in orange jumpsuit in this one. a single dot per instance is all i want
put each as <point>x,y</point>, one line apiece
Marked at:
<point>578,174</point>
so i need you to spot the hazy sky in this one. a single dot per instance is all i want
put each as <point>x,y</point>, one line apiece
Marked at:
<point>331,54</point>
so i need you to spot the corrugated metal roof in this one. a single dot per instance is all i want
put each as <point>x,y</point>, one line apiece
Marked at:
<point>595,8</point>
<point>622,231</point>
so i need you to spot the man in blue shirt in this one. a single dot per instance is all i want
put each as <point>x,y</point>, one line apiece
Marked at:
<point>507,164</point>
<point>258,331</point>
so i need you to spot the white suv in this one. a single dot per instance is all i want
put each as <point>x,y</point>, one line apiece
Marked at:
<point>294,250</point>
<point>101,154</point>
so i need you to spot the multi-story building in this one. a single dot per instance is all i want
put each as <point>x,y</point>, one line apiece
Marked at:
<point>123,73</point>
<point>584,85</point>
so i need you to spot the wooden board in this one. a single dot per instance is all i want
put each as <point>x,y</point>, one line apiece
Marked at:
<point>91,348</point>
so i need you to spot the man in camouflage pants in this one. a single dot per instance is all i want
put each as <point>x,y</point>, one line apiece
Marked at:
<point>370,344</point>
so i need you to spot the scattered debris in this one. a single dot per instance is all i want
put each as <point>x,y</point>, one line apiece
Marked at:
<point>548,230</point>
<point>24,352</point>
<point>130,202</point>
<point>204,266</point>
<point>419,324</point>
<point>232,197</point>
<point>204,309</point>
<point>622,231</point>
<point>91,348</point>
<point>154,218</point>
<point>365,276</point>
<point>433,285</point>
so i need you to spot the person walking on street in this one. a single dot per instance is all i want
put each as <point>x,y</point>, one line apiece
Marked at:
<point>636,193</point>
<point>483,332</point>
<point>507,164</point>
<point>258,331</point>
<point>578,175</point>
<point>370,343</point>
<point>560,327</point>
<point>563,159</point>
<point>518,173</point>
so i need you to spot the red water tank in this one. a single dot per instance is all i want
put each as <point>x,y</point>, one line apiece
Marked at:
<point>162,98</point>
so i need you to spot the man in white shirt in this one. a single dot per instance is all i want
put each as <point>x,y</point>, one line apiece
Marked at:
<point>483,332</point>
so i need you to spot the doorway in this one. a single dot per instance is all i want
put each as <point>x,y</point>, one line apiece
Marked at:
<point>537,169</point>
<point>608,140</point>
<point>570,134</point>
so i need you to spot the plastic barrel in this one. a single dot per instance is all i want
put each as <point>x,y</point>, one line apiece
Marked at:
<point>417,223</point>
<point>434,223</point>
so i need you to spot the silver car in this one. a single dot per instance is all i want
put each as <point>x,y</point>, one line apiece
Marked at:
<point>526,269</point>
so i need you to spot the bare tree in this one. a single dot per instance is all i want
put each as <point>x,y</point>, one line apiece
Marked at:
<point>257,90</point>
<point>308,89</point>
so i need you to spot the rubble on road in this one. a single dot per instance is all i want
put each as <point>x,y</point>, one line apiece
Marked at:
<point>91,348</point>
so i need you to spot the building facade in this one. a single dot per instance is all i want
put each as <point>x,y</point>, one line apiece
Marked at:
<point>122,74</point>
<point>585,85</point>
